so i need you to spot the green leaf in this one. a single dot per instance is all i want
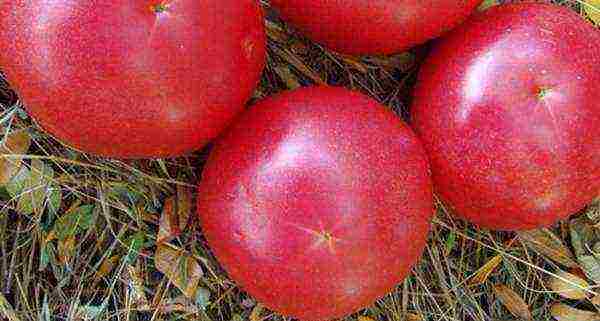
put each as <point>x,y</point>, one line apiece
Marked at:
<point>36,189</point>
<point>134,244</point>
<point>450,241</point>
<point>125,193</point>
<point>183,271</point>
<point>74,221</point>
<point>16,184</point>
<point>202,298</point>
<point>46,255</point>
<point>32,188</point>
<point>54,199</point>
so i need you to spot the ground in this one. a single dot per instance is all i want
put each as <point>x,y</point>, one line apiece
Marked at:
<point>86,238</point>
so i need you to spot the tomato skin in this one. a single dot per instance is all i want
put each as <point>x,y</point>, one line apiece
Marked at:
<point>118,78</point>
<point>317,201</point>
<point>374,27</point>
<point>510,120</point>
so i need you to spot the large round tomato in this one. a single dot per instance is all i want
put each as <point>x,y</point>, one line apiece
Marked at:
<point>374,27</point>
<point>508,108</point>
<point>136,78</point>
<point>317,201</point>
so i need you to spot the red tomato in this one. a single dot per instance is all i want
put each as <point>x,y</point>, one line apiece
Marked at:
<point>508,107</point>
<point>374,27</point>
<point>317,201</point>
<point>133,78</point>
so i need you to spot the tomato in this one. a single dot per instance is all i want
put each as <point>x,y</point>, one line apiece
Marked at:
<point>317,201</point>
<point>508,107</point>
<point>374,27</point>
<point>133,78</point>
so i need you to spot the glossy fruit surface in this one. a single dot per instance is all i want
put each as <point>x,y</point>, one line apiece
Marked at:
<point>508,107</point>
<point>133,78</point>
<point>374,27</point>
<point>317,201</point>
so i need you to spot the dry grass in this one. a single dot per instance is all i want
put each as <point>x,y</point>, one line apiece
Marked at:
<point>47,277</point>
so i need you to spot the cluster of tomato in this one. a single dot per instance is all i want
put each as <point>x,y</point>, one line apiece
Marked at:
<point>318,201</point>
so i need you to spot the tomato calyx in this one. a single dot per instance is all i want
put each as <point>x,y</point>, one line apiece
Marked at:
<point>542,92</point>
<point>159,8</point>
